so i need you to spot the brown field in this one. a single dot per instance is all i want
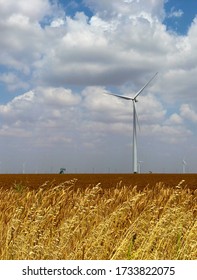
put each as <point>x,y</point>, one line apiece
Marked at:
<point>34,181</point>
<point>98,216</point>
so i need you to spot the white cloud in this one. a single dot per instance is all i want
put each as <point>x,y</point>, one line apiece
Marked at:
<point>187,112</point>
<point>13,82</point>
<point>122,8</point>
<point>35,111</point>
<point>174,119</point>
<point>151,109</point>
<point>80,51</point>
<point>37,11</point>
<point>101,105</point>
<point>24,39</point>
<point>169,134</point>
<point>175,13</point>
<point>97,52</point>
<point>58,97</point>
<point>57,22</point>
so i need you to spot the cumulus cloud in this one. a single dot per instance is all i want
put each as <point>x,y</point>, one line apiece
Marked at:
<point>171,134</point>
<point>13,82</point>
<point>174,119</point>
<point>101,106</point>
<point>121,8</point>
<point>35,12</point>
<point>187,112</point>
<point>96,52</point>
<point>39,112</point>
<point>24,39</point>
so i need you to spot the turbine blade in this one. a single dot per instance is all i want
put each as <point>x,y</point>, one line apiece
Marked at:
<point>120,96</point>
<point>184,162</point>
<point>136,95</point>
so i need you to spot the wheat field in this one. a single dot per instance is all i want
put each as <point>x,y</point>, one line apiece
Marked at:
<point>66,222</point>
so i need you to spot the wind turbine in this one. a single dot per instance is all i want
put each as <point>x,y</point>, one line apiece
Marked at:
<point>135,120</point>
<point>139,165</point>
<point>24,165</point>
<point>184,163</point>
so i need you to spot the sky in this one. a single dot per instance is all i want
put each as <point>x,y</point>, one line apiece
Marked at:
<point>58,59</point>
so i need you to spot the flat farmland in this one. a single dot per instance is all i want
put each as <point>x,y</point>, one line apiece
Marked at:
<point>106,180</point>
<point>98,216</point>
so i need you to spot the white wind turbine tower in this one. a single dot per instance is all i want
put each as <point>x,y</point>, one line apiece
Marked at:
<point>135,119</point>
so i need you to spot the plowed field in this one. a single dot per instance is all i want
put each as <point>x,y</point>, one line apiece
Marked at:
<point>107,180</point>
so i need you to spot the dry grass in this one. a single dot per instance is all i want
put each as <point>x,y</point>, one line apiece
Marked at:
<point>122,222</point>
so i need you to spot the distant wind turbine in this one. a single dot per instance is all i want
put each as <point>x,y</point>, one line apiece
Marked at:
<point>184,163</point>
<point>135,120</point>
<point>139,165</point>
<point>24,165</point>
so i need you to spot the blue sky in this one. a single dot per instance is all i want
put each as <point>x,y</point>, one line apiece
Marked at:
<point>184,13</point>
<point>58,59</point>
